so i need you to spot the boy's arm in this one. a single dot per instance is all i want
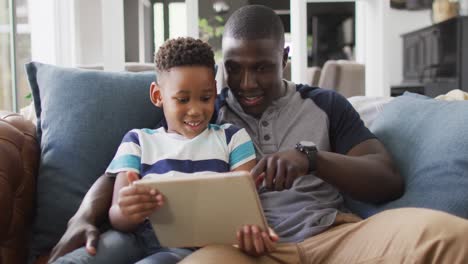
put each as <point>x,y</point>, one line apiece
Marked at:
<point>246,166</point>
<point>82,227</point>
<point>251,239</point>
<point>241,152</point>
<point>131,204</point>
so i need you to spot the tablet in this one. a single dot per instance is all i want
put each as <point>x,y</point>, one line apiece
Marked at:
<point>204,209</point>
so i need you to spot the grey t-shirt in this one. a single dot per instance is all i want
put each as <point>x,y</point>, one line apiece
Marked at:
<point>318,115</point>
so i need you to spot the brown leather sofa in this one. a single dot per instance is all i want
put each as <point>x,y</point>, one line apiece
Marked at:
<point>19,161</point>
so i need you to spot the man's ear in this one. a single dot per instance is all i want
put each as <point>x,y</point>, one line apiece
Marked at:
<point>155,94</point>
<point>285,56</point>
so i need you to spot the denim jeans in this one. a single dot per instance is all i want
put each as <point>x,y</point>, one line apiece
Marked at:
<point>117,247</point>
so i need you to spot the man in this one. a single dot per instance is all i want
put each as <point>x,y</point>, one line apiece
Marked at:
<point>300,197</point>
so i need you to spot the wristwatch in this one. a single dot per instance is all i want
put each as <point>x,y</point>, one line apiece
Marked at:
<point>310,150</point>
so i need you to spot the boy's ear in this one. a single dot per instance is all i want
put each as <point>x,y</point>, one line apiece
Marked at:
<point>155,94</point>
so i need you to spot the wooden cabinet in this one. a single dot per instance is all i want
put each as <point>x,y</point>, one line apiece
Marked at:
<point>435,58</point>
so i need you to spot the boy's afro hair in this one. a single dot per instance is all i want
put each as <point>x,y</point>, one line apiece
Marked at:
<point>183,51</point>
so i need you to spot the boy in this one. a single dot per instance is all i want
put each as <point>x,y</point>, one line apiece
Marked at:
<point>186,91</point>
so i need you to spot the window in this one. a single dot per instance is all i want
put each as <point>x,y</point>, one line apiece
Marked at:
<point>14,94</point>
<point>149,23</point>
<point>169,21</point>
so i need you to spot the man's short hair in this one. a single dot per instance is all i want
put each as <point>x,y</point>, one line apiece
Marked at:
<point>255,22</point>
<point>183,51</point>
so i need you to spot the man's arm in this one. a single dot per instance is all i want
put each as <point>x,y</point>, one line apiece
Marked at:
<point>82,227</point>
<point>366,173</point>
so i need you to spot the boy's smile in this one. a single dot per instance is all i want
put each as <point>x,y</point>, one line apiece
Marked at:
<point>187,95</point>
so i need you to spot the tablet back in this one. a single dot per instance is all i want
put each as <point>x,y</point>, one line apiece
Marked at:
<point>205,209</point>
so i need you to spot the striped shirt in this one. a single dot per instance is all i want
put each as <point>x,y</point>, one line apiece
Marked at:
<point>154,152</point>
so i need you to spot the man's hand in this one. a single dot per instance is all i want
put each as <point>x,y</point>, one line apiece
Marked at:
<point>281,169</point>
<point>82,228</point>
<point>78,233</point>
<point>253,241</point>
<point>136,203</point>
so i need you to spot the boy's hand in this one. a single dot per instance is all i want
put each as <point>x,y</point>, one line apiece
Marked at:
<point>253,241</point>
<point>138,202</point>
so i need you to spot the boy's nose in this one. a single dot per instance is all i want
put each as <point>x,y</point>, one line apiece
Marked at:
<point>194,110</point>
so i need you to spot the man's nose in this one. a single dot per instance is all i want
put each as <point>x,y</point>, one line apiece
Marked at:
<point>248,80</point>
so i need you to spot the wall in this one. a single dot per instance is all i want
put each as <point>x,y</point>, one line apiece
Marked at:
<point>88,32</point>
<point>42,23</point>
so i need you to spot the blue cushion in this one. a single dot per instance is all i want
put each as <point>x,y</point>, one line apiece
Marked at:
<point>82,117</point>
<point>428,140</point>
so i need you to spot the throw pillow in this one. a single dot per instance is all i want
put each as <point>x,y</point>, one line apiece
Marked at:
<point>428,141</point>
<point>82,116</point>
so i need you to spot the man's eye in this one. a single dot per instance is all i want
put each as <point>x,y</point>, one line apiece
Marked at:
<point>263,68</point>
<point>232,69</point>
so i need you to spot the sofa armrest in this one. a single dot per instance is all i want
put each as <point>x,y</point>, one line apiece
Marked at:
<point>19,161</point>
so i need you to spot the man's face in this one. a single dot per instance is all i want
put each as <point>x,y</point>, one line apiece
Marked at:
<point>254,71</point>
<point>187,95</point>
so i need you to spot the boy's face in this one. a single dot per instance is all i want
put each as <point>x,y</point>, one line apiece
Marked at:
<point>187,95</point>
<point>254,71</point>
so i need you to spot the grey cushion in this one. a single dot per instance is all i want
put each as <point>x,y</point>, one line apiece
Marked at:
<point>428,140</point>
<point>82,117</point>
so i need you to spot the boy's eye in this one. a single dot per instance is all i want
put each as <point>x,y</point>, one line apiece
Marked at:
<point>206,98</point>
<point>182,100</point>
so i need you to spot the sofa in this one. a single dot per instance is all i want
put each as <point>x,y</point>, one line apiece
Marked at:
<point>47,166</point>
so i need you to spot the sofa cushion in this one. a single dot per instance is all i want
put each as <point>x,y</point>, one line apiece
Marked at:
<point>428,141</point>
<point>82,116</point>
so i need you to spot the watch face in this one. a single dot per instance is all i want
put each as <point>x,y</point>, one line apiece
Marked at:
<point>307,144</point>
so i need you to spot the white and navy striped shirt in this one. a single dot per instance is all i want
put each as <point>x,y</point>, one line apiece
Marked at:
<point>154,152</point>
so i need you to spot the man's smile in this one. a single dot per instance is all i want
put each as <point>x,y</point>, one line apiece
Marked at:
<point>251,100</point>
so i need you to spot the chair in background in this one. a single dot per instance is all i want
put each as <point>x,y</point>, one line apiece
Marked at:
<point>313,75</point>
<point>345,77</point>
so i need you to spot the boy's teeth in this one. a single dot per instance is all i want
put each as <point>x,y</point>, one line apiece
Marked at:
<point>193,124</point>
